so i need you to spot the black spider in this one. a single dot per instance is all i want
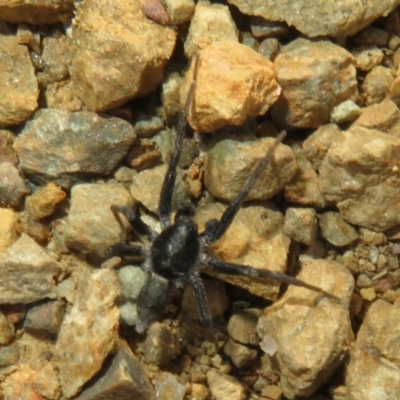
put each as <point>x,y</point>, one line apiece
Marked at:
<point>174,255</point>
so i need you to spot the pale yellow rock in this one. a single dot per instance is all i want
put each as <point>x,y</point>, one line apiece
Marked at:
<point>234,82</point>
<point>8,232</point>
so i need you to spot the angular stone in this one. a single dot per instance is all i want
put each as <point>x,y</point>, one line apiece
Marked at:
<point>242,326</point>
<point>43,203</point>
<point>376,84</point>
<point>7,330</point>
<point>224,387</point>
<point>32,12</point>
<point>57,144</point>
<point>347,111</point>
<point>120,54</point>
<point>255,238</point>
<point>12,186</point>
<point>91,225</point>
<point>312,332</point>
<point>18,83</point>
<point>233,83</point>
<point>89,332</point>
<point>179,11</point>
<point>7,153</point>
<point>27,273</point>
<point>123,377</point>
<point>374,368</point>
<point>336,230</point>
<point>329,17</point>
<point>8,228</point>
<point>358,171</point>
<point>146,188</point>
<point>210,23</point>
<point>305,71</point>
<point>231,161</point>
<point>301,225</point>
<point>45,319</point>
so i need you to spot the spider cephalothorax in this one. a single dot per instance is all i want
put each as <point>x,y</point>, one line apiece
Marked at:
<point>175,255</point>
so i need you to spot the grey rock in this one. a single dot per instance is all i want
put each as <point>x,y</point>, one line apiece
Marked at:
<point>262,28</point>
<point>230,161</point>
<point>321,17</point>
<point>9,356</point>
<point>336,230</point>
<point>305,71</point>
<point>301,224</point>
<point>146,188</point>
<point>57,144</point>
<point>132,279</point>
<point>27,273</point>
<point>45,319</point>
<point>347,111</point>
<point>121,378</point>
<point>269,48</point>
<point>91,226</point>
<point>160,345</point>
<point>12,186</point>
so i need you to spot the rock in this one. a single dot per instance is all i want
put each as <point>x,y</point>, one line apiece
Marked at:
<point>44,320</point>
<point>222,98</point>
<point>223,386</point>
<point>372,36</point>
<point>43,203</point>
<point>394,91</point>
<point>56,58</point>
<point>241,356</point>
<point>179,11</point>
<point>38,231</point>
<point>216,296</point>
<point>122,377</point>
<point>242,326</point>
<point>12,186</point>
<point>304,187</point>
<point>210,23</point>
<point>120,54</point>
<point>160,345</point>
<point>45,145</point>
<point>7,153</point>
<point>358,171</point>
<point>156,11</point>
<point>255,238</point>
<point>146,188</point>
<point>336,230</point>
<point>330,18</point>
<point>230,162</point>
<point>347,111</point>
<point>44,12</point>
<point>262,28</point>
<point>170,388</point>
<point>269,48</point>
<point>18,82</point>
<point>89,331</point>
<point>147,125</point>
<point>8,228</point>
<point>312,332</point>
<point>305,71</point>
<point>27,273</point>
<point>367,57</point>
<point>9,356</point>
<point>301,225</point>
<point>384,116</point>
<point>91,225</point>
<point>368,294</point>
<point>374,365</point>
<point>376,84</point>
<point>6,330</point>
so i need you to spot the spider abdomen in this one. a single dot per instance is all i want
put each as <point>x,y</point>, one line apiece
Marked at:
<point>176,250</point>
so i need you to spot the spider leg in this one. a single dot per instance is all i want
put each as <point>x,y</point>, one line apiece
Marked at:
<point>127,250</point>
<point>134,219</point>
<point>164,207</point>
<point>201,300</point>
<point>224,267</point>
<point>215,229</point>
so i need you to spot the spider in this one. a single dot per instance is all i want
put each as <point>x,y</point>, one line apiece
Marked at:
<point>175,255</point>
